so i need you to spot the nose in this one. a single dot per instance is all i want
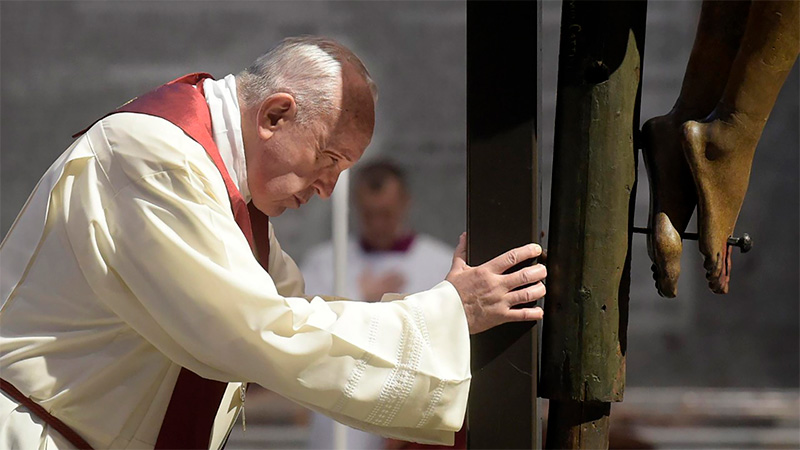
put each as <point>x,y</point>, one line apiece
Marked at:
<point>325,184</point>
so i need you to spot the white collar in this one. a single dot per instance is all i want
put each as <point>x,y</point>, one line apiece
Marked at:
<point>226,126</point>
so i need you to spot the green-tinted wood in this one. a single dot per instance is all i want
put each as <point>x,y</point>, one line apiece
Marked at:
<point>593,177</point>
<point>578,425</point>
<point>594,174</point>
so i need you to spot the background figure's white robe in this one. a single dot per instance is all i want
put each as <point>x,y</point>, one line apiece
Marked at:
<point>126,264</point>
<point>424,264</point>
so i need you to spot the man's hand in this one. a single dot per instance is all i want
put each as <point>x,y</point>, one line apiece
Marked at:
<point>488,295</point>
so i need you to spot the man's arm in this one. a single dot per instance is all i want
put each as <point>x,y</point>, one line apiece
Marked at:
<point>168,258</point>
<point>199,296</point>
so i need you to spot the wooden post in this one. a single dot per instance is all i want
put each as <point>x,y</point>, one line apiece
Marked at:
<point>502,208</point>
<point>594,174</point>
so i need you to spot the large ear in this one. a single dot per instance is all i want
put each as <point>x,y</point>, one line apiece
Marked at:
<point>275,112</point>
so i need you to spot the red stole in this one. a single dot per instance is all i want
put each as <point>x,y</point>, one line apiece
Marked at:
<point>195,400</point>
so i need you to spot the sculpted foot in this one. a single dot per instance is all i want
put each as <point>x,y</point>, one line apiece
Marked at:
<point>666,256</point>
<point>720,155</point>
<point>673,198</point>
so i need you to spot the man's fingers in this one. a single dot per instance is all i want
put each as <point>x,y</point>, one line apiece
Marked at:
<point>526,295</point>
<point>527,275</point>
<point>525,314</point>
<point>461,249</point>
<point>513,257</point>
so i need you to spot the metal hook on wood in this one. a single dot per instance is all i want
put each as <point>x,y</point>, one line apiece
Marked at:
<point>745,243</point>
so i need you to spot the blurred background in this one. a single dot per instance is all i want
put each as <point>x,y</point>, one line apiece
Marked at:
<point>703,370</point>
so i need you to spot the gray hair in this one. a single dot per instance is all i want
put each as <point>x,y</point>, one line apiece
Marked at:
<point>308,68</point>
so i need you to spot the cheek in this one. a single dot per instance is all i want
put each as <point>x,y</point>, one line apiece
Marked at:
<point>282,172</point>
<point>273,182</point>
<point>282,187</point>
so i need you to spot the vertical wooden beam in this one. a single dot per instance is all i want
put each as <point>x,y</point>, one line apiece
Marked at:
<point>594,174</point>
<point>502,208</point>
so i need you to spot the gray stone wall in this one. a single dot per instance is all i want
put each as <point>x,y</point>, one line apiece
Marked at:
<point>63,64</point>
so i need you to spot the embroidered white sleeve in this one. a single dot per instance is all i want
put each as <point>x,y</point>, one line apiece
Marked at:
<point>182,275</point>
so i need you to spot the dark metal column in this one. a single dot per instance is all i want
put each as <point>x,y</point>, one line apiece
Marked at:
<point>502,208</point>
<point>594,174</point>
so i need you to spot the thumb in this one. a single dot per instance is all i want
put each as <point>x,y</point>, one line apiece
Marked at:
<point>460,254</point>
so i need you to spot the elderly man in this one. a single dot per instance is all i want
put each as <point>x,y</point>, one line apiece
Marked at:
<point>142,287</point>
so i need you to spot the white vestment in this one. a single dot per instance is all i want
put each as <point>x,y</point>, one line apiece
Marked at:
<point>422,265</point>
<point>126,264</point>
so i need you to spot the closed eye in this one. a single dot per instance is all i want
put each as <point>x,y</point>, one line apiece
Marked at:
<point>334,159</point>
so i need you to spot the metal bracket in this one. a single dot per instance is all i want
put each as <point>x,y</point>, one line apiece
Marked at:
<point>745,243</point>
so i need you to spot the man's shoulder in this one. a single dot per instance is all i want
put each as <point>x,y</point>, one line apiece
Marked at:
<point>136,145</point>
<point>141,135</point>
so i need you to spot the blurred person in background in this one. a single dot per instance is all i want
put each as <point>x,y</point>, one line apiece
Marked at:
<point>386,257</point>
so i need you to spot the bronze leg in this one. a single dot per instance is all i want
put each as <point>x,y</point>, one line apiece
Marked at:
<point>673,195</point>
<point>720,148</point>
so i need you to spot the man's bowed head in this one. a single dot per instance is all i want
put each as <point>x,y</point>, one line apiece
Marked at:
<point>308,113</point>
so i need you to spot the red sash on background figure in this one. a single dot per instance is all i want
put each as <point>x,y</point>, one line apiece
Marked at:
<point>195,400</point>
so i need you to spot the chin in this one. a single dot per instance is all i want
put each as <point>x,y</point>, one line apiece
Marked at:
<point>276,211</point>
<point>272,210</point>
